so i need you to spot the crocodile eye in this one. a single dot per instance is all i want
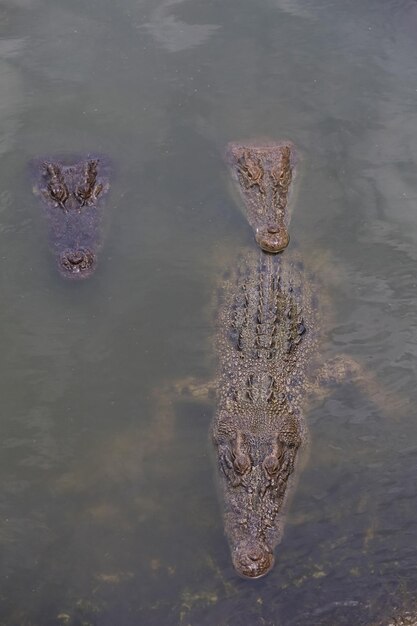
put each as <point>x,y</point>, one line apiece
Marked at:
<point>83,193</point>
<point>271,465</point>
<point>58,192</point>
<point>242,463</point>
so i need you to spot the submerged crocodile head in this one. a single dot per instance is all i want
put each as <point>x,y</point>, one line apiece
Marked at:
<point>71,195</point>
<point>264,173</point>
<point>256,473</point>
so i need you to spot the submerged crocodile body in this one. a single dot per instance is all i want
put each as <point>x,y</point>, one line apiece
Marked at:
<point>71,194</point>
<point>266,340</point>
<point>264,173</point>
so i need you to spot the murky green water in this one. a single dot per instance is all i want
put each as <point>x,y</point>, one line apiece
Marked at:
<point>108,509</point>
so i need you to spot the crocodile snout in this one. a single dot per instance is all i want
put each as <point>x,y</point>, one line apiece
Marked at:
<point>252,559</point>
<point>77,263</point>
<point>273,238</point>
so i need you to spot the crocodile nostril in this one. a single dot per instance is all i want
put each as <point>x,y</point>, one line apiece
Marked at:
<point>77,257</point>
<point>77,263</point>
<point>272,229</point>
<point>273,241</point>
<point>255,556</point>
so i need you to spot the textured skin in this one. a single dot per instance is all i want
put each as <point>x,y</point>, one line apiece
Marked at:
<point>266,341</point>
<point>71,194</point>
<point>264,173</point>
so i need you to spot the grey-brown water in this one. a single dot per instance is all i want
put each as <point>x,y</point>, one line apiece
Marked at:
<point>108,510</point>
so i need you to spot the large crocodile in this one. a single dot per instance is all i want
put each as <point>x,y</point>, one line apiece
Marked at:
<point>71,193</point>
<point>264,173</point>
<point>266,339</point>
<point>269,367</point>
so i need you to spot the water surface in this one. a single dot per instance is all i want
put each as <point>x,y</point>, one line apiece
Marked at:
<point>108,508</point>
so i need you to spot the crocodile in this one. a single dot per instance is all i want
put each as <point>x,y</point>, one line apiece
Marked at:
<point>264,173</point>
<point>269,329</point>
<point>267,338</point>
<point>71,193</point>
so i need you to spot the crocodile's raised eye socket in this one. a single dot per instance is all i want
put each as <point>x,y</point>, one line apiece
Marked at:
<point>83,193</point>
<point>58,192</point>
<point>242,463</point>
<point>271,465</point>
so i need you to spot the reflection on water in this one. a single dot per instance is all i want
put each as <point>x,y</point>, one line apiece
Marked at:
<point>108,508</point>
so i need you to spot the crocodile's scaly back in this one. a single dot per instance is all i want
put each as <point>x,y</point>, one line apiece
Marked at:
<point>266,339</point>
<point>264,173</point>
<point>72,193</point>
